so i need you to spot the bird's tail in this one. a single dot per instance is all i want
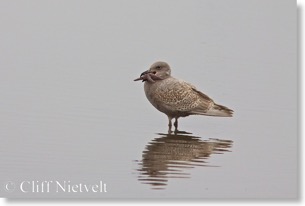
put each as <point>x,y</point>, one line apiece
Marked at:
<point>219,111</point>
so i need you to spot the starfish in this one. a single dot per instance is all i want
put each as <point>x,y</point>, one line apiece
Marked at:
<point>148,76</point>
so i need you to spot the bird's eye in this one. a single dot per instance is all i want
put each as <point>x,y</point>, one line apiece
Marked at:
<point>158,67</point>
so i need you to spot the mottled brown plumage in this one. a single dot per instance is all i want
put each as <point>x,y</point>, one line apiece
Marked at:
<point>177,98</point>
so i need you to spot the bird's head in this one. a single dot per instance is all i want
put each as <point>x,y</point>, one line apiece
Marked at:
<point>157,71</point>
<point>160,69</point>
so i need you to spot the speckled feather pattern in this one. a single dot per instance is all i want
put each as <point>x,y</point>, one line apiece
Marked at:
<point>176,97</point>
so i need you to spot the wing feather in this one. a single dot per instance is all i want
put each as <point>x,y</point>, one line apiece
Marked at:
<point>184,97</point>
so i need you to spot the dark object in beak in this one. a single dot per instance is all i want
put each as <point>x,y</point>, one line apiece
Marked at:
<point>146,72</point>
<point>137,79</point>
<point>142,76</point>
<point>148,76</point>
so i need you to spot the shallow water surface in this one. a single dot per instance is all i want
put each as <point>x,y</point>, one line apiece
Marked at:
<point>173,155</point>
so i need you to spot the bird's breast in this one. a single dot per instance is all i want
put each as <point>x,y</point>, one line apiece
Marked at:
<point>161,94</point>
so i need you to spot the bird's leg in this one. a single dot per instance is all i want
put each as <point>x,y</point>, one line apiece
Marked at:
<point>176,124</point>
<point>169,125</point>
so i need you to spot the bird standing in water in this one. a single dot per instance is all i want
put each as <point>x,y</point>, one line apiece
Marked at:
<point>177,98</point>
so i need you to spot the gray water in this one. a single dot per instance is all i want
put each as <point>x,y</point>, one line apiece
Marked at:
<point>70,111</point>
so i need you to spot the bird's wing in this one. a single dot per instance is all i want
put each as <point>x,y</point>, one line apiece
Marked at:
<point>205,102</point>
<point>209,107</point>
<point>184,97</point>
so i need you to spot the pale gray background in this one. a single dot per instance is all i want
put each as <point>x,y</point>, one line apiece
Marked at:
<point>69,109</point>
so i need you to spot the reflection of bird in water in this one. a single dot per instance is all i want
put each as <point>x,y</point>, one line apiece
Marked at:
<point>177,98</point>
<point>170,155</point>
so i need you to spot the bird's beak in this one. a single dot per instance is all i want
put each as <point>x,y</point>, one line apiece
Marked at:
<point>146,72</point>
<point>142,74</point>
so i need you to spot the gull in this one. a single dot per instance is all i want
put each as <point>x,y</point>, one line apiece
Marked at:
<point>177,98</point>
